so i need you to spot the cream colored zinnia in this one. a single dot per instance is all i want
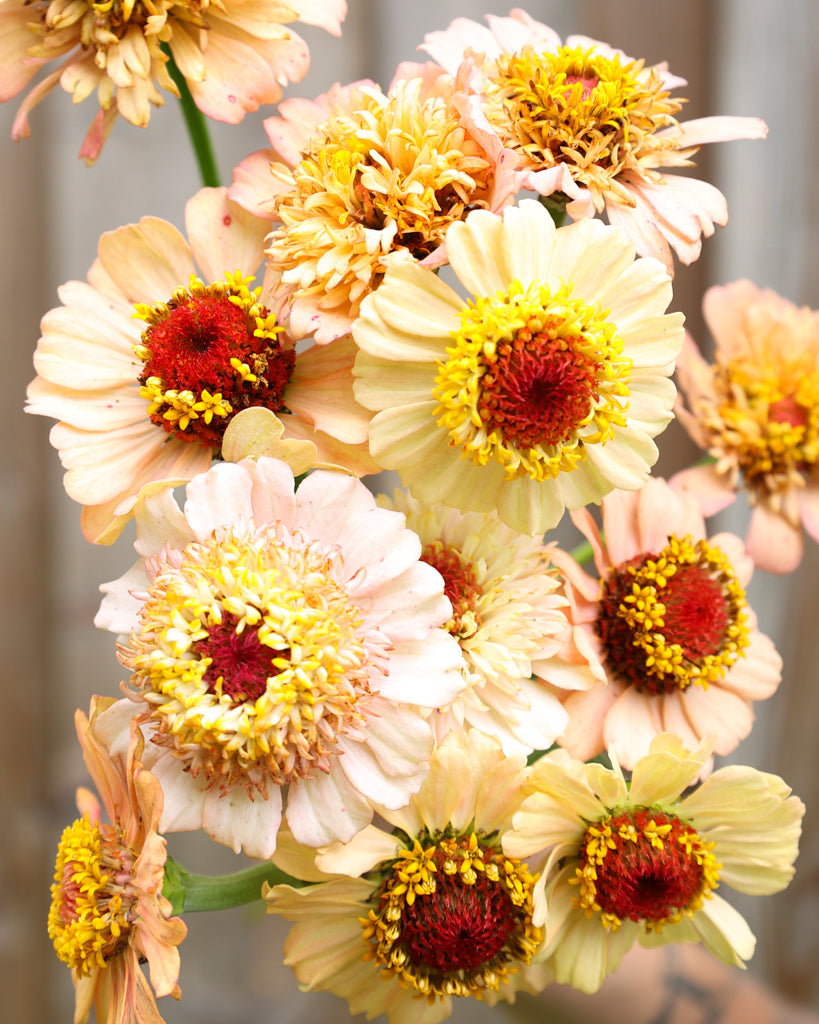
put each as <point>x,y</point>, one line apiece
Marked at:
<point>541,391</point>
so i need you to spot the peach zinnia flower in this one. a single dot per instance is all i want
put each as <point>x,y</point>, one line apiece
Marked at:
<point>632,861</point>
<point>756,411</point>
<point>506,616</point>
<point>433,907</point>
<point>677,643</point>
<point>377,183</point>
<point>107,910</point>
<point>233,59</point>
<point>543,391</point>
<point>145,365</point>
<point>281,643</point>
<point>590,127</point>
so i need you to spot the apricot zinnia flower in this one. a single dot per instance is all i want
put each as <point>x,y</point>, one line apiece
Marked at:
<point>590,127</point>
<point>107,910</point>
<point>676,640</point>
<point>434,908</point>
<point>506,617</point>
<point>543,391</point>
<point>376,184</point>
<point>233,58</point>
<point>631,861</point>
<point>281,640</point>
<point>145,402</point>
<point>756,411</point>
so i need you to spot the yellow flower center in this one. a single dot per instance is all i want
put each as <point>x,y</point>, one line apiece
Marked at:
<point>532,378</point>
<point>252,657</point>
<point>675,618</point>
<point>646,866</point>
<point>91,897</point>
<point>397,166</point>
<point>209,352</point>
<point>578,107</point>
<point>452,916</point>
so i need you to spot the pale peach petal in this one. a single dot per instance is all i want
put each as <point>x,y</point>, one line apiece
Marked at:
<point>773,543</point>
<point>223,237</point>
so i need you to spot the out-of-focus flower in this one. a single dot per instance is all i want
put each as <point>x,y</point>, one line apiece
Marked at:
<point>145,365</point>
<point>376,182</point>
<point>281,641</point>
<point>756,411</point>
<point>632,861</point>
<point>233,58</point>
<point>677,643</point>
<point>434,908</point>
<point>590,127</point>
<point>107,912</point>
<point>542,391</point>
<point>506,615</point>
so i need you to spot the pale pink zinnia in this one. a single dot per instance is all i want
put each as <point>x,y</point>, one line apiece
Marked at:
<point>145,365</point>
<point>755,410</point>
<point>285,649</point>
<point>589,127</point>
<point>669,633</point>
<point>233,56</point>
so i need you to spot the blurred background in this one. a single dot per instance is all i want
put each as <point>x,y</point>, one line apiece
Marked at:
<point>743,57</point>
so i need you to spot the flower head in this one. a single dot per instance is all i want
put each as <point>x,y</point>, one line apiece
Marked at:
<point>376,183</point>
<point>232,62</point>
<point>542,391</point>
<point>147,364</point>
<point>638,861</point>
<point>434,907</point>
<point>668,630</point>
<point>107,910</point>
<point>590,127</point>
<point>507,616</point>
<point>280,644</point>
<point>756,411</point>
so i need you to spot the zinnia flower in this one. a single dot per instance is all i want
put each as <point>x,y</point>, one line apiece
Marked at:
<point>590,127</point>
<point>376,184</point>
<point>677,643</point>
<point>144,403</point>
<point>756,411</point>
<point>434,907</point>
<point>632,861</point>
<point>542,391</point>
<point>506,616</point>
<point>233,59</point>
<point>107,910</point>
<point>281,641</point>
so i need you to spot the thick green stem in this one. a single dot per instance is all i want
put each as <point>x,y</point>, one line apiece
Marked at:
<point>583,553</point>
<point>189,892</point>
<point>197,126</point>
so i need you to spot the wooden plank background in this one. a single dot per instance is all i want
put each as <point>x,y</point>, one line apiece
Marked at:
<point>740,57</point>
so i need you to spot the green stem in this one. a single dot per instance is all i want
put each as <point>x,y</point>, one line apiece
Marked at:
<point>583,553</point>
<point>196,124</point>
<point>556,205</point>
<point>190,892</point>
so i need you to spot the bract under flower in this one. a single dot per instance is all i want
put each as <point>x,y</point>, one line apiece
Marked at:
<point>282,647</point>
<point>541,392</point>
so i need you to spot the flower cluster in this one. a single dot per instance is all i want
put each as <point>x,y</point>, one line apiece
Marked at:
<point>481,768</point>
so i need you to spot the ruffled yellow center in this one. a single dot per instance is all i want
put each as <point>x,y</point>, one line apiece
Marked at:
<point>252,657</point>
<point>532,378</point>
<point>390,175</point>
<point>595,114</point>
<point>452,916</point>
<point>209,352</point>
<point>644,865</point>
<point>91,897</point>
<point>675,618</point>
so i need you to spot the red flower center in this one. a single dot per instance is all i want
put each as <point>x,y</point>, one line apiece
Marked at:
<point>208,353</point>
<point>460,586</point>
<point>644,865</point>
<point>674,618</point>
<point>240,664</point>
<point>537,389</point>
